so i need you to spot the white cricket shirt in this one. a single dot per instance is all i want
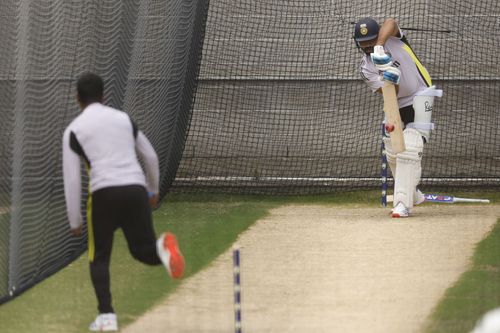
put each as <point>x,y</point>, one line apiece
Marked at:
<point>109,142</point>
<point>414,76</point>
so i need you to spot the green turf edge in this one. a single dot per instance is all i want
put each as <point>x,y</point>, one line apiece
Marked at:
<point>206,225</point>
<point>476,291</point>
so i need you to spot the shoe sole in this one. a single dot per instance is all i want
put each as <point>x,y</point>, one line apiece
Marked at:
<point>103,327</point>
<point>108,329</point>
<point>176,262</point>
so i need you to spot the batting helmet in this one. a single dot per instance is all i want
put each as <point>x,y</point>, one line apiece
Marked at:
<point>366,29</point>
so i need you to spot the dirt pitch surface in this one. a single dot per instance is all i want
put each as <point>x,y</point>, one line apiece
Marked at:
<point>328,269</point>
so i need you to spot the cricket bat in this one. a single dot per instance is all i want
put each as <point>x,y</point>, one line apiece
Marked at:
<point>450,199</point>
<point>444,199</point>
<point>393,124</point>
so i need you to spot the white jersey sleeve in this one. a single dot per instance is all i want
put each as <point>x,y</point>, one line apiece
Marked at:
<point>370,75</point>
<point>147,153</point>
<point>72,181</point>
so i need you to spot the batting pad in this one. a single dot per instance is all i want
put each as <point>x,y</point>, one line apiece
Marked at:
<point>409,168</point>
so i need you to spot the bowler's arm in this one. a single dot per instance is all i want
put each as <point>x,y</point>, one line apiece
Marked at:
<point>72,183</point>
<point>146,151</point>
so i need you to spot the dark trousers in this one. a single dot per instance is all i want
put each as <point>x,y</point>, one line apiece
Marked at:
<point>125,207</point>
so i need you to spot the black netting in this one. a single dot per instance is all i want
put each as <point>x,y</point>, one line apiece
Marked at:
<point>281,108</point>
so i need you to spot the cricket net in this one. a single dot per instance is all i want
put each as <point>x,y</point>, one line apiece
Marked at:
<point>281,108</point>
<point>148,55</point>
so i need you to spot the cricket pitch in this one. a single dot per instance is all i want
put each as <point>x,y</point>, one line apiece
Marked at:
<point>325,269</point>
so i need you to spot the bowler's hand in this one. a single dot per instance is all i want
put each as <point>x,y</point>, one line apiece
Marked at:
<point>153,199</point>
<point>77,231</point>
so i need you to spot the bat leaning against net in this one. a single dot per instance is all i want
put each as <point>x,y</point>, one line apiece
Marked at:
<point>444,199</point>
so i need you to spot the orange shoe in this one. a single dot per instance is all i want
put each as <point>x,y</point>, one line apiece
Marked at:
<point>170,255</point>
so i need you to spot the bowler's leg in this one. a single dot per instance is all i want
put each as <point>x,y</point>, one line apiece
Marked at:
<point>100,245</point>
<point>137,224</point>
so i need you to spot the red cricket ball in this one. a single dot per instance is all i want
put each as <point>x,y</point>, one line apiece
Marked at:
<point>389,128</point>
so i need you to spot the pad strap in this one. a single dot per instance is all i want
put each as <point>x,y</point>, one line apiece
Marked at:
<point>421,126</point>
<point>431,91</point>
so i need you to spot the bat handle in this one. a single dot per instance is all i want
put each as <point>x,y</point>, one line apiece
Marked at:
<point>471,200</point>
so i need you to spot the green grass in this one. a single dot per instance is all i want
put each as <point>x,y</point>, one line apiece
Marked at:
<point>206,226</point>
<point>476,292</point>
<point>65,302</point>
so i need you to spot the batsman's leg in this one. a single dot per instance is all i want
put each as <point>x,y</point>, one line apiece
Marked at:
<point>391,157</point>
<point>408,172</point>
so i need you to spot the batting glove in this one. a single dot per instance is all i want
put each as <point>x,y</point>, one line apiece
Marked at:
<point>380,59</point>
<point>392,75</point>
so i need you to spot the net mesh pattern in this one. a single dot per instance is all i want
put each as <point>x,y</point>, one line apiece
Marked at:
<point>281,107</point>
<point>148,53</point>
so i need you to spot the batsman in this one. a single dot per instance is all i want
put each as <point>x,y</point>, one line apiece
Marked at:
<point>389,64</point>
